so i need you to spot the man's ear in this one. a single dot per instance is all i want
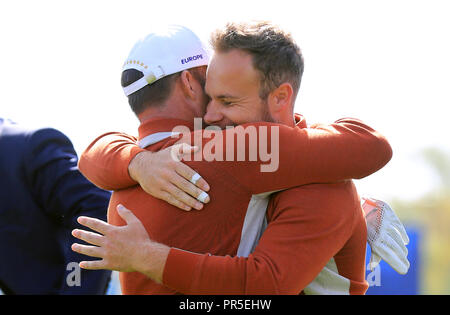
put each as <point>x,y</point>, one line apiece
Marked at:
<point>280,98</point>
<point>187,84</point>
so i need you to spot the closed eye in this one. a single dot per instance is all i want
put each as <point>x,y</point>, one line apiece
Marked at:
<point>226,103</point>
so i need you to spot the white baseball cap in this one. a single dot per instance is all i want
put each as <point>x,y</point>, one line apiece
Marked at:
<point>164,52</point>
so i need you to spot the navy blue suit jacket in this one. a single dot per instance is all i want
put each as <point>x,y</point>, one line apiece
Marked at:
<point>42,193</point>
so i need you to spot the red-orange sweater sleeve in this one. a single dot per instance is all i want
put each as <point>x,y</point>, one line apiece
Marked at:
<point>346,149</point>
<point>105,161</point>
<point>309,226</point>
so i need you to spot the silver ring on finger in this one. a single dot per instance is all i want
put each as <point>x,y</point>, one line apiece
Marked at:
<point>202,197</point>
<point>194,179</point>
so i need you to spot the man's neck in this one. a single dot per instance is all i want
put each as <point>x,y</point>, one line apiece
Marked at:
<point>288,120</point>
<point>169,111</point>
<point>146,115</point>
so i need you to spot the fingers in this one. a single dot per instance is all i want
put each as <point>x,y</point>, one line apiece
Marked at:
<point>392,250</point>
<point>397,224</point>
<point>126,214</point>
<point>192,177</point>
<point>185,149</point>
<point>94,265</point>
<point>401,230</point>
<point>179,150</point>
<point>89,237</point>
<point>192,184</point>
<point>95,224</point>
<point>395,221</point>
<point>167,197</point>
<point>397,241</point>
<point>173,181</point>
<point>191,190</point>
<point>405,236</point>
<point>87,250</point>
<point>183,197</point>
<point>395,258</point>
<point>403,264</point>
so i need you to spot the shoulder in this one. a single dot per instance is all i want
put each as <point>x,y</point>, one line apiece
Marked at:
<point>48,140</point>
<point>42,145</point>
<point>10,129</point>
<point>47,133</point>
<point>338,202</point>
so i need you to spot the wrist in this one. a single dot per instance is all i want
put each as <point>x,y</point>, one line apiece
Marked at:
<point>154,260</point>
<point>135,165</point>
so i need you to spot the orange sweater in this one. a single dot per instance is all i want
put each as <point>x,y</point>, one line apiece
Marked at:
<point>346,149</point>
<point>309,227</point>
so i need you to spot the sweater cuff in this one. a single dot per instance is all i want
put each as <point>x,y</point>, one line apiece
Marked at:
<point>179,269</point>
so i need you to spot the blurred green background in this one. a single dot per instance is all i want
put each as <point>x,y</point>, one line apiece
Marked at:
<point>431,213</point>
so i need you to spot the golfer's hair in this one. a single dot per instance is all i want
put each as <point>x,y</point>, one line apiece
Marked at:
<point>275,54</point>
<point>151,95</point>
<point>155,94</point>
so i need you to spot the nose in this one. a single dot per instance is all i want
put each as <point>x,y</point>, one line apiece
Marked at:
<point>213,114</point>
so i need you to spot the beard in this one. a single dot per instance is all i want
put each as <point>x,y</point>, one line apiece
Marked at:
<point>266,116</point>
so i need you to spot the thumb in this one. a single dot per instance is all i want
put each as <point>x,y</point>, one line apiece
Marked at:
<point>186,149</point>
<point>179,150</point>
<point>126,214</point>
